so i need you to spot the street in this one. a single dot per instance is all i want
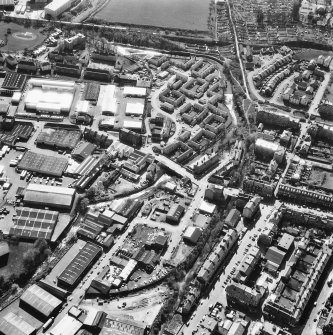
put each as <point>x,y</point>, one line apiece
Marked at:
<point>217,293</point>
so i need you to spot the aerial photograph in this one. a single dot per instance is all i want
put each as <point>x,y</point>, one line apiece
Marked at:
<point>166,167</point>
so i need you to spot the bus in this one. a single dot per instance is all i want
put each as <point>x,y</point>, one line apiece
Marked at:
<point>47,324</point>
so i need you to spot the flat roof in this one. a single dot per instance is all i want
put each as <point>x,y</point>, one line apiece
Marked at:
<point>12,324</point>
<point>286,241</point>
<point>267,144</point>
<point>134,108</point>
<point>40,300</point>
<point>207,207</point>
<point>80,263</point>
<point>66,326</point>
<point>132,124</point>
<point>56,5</point>
<point>137,91</point>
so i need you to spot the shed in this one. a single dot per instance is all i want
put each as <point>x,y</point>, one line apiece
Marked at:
<point>192,234</point>
<point>286,242</point>
<point>206,207</point>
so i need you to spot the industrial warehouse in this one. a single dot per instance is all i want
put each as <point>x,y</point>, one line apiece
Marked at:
<point>70,277</point>
<point>40,301</point>
<point>52,196</point>
<point>48,165</point>
<point>31,223</point>
<point>49,96</point>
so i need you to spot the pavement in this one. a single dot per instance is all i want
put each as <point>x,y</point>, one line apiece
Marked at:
<point>311,325</point>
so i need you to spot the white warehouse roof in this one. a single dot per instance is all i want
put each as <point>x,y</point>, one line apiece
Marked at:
<point>132,124</point>
<point>207,207</point>
<point>108,102</point>
<point>82,107</point>
<point>66,326</point>
<point>260,142</point>
<point>57,6</point>
<point>49,100</point>
<point>56,83</point>
<point>135,91</point>
<point>134,108</point>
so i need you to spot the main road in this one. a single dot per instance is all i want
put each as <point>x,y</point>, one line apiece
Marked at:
<point>217,293</point>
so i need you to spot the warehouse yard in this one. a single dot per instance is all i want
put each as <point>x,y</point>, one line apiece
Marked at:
<point>141,308</point>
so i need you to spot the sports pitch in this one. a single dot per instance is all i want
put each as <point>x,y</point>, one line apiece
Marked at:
<point>20,37</point>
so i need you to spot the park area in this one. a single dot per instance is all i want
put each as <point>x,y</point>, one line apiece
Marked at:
<point>19,37</point>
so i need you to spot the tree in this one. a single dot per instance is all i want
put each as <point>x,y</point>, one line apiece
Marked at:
<point>29,259</point>
<point>83,206</point>
<point>91,193</point>
<point>295,11</point>
<point>328,329</point>
<point>32,258</point>
<point>260,17</point>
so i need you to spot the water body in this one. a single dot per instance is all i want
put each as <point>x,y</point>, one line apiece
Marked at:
<point>179,14</point>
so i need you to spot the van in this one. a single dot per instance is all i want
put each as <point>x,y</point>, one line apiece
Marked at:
<point>13,162</point>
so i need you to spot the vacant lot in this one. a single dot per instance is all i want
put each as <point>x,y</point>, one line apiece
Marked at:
<point>15,261</point>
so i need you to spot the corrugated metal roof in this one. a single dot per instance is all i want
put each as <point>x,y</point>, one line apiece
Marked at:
<point>12,324</point>
<point>40,300</point>
<point>49,195</point>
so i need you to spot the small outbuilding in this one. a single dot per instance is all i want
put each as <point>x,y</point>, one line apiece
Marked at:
<point>192,234</point>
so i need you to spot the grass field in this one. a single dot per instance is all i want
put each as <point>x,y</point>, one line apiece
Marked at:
<point>309,54</point>
<point>16,44</point>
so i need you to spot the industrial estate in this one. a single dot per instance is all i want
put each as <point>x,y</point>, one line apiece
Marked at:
<point>164,180</point>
